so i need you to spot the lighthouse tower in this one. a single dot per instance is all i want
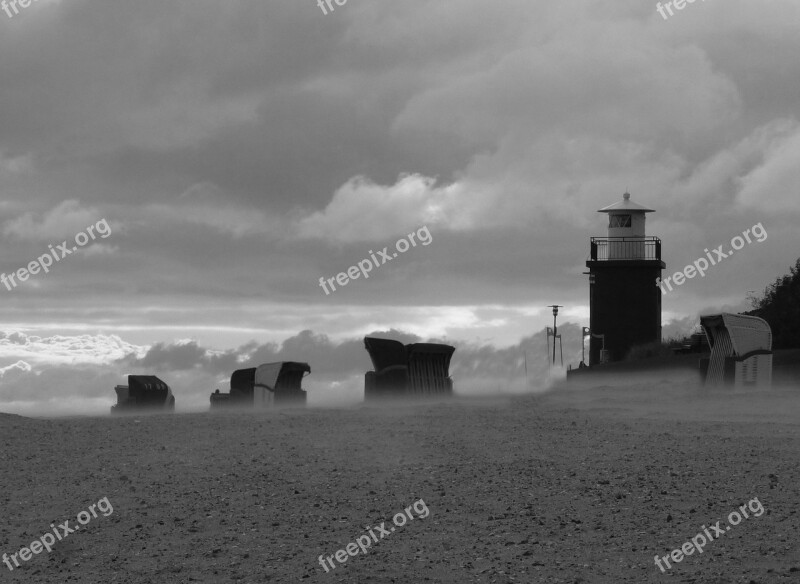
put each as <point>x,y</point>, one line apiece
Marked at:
<point>624,300</point>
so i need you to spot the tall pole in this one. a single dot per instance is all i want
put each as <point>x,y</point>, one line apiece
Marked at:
<point>583,346</point>
<point>555,308</point>
<point>586,333</point>
<point>547,349</point>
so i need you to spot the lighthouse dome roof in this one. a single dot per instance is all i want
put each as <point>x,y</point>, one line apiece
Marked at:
<point>625,205</point>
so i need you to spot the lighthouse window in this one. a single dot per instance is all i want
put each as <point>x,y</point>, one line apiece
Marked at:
<point>619,221</point>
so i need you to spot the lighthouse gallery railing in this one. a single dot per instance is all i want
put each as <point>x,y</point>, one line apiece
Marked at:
<point>625,248</point>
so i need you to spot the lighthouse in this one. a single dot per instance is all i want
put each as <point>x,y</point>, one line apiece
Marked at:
<point>624,300</point>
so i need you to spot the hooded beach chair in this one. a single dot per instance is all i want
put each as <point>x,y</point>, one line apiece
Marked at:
<point>741,350</point>
<point>418,369</point>
<point>143,392</point>
<point>270,384</point>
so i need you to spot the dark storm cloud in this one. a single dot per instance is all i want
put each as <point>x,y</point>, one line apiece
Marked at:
<point>328,357</point>
<point>242,150</point>
<point>174,357</point>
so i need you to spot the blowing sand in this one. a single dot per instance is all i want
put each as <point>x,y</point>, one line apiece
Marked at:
<point>576,485</point>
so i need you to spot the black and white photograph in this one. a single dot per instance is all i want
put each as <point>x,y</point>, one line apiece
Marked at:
<point>431,291</point>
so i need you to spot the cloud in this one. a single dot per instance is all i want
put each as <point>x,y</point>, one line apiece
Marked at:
<point>180,356</point>
<point>771,186</point>
<point>326,355</point>
<point>362,210</point>
<point>633,79</point>
<point>62,349</point>
<point>44,389</point>
<point>248,148</point>
<point>205,204</point>
<point>64,221</point>
<point>100,249</point>
<point>552,125</point>
<point>19,366</point>
<point>15,164</point>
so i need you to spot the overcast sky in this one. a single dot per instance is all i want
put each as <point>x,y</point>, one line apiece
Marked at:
<point>241,150</point>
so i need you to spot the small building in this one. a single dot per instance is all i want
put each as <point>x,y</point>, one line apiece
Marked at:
<point>418,369</point>
<point>268,385</point>
<point>624,299</point>
<point>143,392</point>
<point>741,350</point>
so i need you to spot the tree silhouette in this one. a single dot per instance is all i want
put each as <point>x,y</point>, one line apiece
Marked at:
<point>780,307</point>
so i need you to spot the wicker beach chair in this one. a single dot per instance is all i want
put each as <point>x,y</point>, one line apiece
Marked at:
<point>418,369</point>
<point>741,350</point>
<point>270,384</point>
<point>143,392</point>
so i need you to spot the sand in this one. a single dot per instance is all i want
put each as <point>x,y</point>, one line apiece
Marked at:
<point>576,485</point>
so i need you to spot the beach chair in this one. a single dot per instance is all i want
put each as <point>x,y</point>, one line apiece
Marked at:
<point>270,384</point>
<point>143,392</point>
<point>418,369</point>
<point>741,350</point>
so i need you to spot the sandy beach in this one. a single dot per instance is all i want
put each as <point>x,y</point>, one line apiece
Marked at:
<point>576,485</point>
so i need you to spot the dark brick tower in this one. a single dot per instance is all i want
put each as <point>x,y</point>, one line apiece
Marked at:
<point>624,300</point>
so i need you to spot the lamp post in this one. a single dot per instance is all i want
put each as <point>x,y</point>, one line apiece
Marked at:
<point>586,333</point>
<point>555,308</point>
